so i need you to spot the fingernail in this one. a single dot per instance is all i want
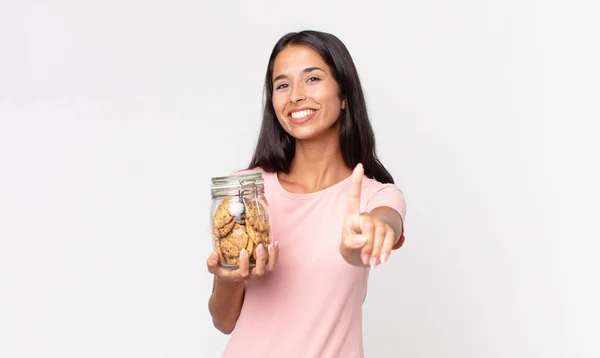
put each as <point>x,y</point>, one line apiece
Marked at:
<point>373,262</point>
<point>214,256</point>
<point>359,240</point>
<point>260,249</point>
<point>384,257</point>
<point>271,249</point>
<point>365,258</point>
<point>243,253</point>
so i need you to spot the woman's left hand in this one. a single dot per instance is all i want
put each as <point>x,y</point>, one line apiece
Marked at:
<point>366,239</point>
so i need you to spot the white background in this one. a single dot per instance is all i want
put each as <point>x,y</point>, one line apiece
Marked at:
<point>115,114</point>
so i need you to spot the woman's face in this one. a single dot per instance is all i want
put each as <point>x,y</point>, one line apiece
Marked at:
<point>305,94</point>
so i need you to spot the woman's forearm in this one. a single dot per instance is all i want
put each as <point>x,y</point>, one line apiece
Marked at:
<point>225,304</point>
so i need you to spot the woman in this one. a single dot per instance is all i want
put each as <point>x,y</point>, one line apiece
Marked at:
<point>335,212</point>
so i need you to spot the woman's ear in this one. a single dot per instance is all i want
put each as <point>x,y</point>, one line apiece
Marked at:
<point>343,104</point>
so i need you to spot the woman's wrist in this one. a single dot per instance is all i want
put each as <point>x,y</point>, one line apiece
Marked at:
<point>226,287</point>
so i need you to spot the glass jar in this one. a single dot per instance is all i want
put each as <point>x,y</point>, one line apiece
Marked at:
<point>239,217</point>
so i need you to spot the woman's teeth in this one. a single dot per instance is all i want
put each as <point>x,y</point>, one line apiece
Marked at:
<point>302,114</point>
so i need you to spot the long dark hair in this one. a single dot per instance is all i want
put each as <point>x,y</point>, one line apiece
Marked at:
<point>275,148</point>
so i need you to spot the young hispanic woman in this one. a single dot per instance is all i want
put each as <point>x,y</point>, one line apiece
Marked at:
<point>335,210</point>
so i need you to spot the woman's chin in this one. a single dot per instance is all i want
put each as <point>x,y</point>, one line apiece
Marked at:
<point>312,134</point>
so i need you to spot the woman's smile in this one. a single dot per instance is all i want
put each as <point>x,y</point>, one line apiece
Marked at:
<point>301,116</point>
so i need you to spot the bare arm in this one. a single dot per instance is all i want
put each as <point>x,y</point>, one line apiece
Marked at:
<point>225,304</point>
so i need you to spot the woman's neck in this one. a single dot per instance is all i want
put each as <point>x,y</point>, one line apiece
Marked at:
<point>317,164</point>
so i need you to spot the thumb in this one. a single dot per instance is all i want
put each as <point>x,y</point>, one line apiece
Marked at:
<point>212,263</point>
<point>351,243</point>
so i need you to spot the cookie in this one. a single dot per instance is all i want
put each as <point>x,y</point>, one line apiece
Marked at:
<point>258,237</point>
<point>222,216</point>
<point>256,216</point>
<point>218,248</point>
<point>232,260</point>
<point>253,234</point>
<point>233,243</point>
<point>226,229</point>
<point>250,248</point>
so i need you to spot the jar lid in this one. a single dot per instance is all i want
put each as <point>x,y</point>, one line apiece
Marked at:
<point>236,181</point>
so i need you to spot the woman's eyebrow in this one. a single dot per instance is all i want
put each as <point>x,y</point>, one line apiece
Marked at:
<point>306,70</point>
<point>310,69</point>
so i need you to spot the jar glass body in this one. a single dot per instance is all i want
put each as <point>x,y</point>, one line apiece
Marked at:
<point>239,218</point>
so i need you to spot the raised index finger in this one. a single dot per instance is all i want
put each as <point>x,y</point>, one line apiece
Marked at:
<point>354,191</point>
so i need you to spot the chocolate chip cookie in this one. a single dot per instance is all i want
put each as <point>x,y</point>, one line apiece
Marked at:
<point>232,244</point>
<point>222,216</point>
<point>256,216</point>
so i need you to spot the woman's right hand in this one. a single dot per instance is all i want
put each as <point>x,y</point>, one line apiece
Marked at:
<point>266,259</point>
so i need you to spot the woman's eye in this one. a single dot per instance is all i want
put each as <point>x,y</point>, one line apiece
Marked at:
<point>281,86</point>
<point>312,79</point>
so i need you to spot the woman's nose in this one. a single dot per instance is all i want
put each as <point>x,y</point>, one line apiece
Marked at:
<point>297,94</point>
